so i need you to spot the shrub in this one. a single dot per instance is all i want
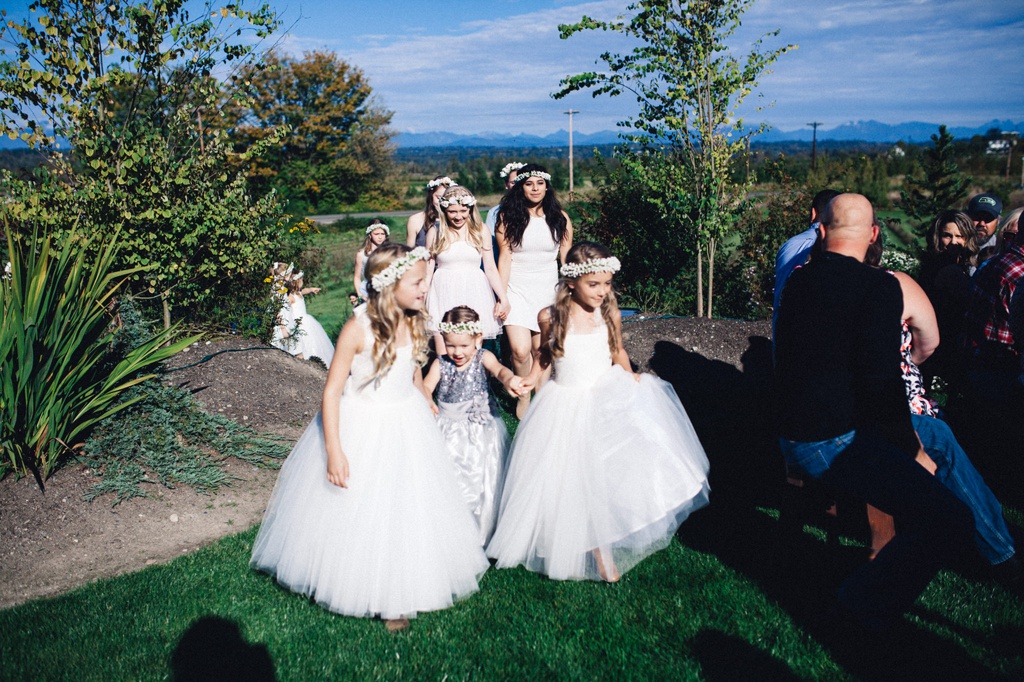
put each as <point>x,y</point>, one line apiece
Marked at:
<point>56,333</point>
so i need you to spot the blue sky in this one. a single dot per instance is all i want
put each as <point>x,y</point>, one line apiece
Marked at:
<point>471,66</point>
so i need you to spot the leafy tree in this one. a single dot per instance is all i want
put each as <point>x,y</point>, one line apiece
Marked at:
<point>338,148</point>
<point>130,87</point>
<point>938,184</point>
<point>688,85</point>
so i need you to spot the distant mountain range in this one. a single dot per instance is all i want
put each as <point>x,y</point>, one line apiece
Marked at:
<point>855,131</point>
<point>860,131</point>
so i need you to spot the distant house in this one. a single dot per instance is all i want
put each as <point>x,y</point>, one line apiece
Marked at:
<point>998,147</point>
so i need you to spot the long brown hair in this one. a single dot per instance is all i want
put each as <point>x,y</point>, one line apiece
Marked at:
<point>430,215</point>
<point>581,252</point>
<point>375,225</point>
<point>386,316</point>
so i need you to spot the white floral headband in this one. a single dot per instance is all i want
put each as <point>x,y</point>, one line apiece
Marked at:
<point>473,328</point>
<point>462,200</point>
<point>533,174</point>
<point>398,267</point>
<point>574,270</point>
<point>446,181</point>
<point>378,226</point>
<point>509,167</point>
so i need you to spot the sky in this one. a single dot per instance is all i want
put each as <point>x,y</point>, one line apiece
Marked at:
<point>473,66</point>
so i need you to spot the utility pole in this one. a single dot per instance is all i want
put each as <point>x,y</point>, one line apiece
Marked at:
<point>814,144</point>
<point>570,112</point>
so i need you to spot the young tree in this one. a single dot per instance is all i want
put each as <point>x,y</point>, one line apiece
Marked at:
<point>938,184</point>
<point>131,88</point>
<point>338,137</point>
<point>688,85</point>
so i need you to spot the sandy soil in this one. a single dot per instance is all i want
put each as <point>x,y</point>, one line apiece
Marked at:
<point>54,541</point>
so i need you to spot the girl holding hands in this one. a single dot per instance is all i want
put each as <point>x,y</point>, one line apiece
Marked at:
<point>460,245</point>
<point>366,518</point>
<point>606,464</point>
<point>467,414</point>
<point>532,232</point>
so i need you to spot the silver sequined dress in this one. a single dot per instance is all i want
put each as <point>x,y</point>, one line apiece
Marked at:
<point>476,437</point>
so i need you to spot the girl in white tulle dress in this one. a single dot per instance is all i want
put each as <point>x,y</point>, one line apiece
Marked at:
<point>606,464</point>
<point>461,246</point>
<point>376,234</point>
<point>297,331</point>
<point>468,416</point>
<point>366,516</point>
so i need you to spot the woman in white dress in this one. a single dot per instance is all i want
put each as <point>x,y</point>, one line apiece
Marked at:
<point>461,246</point>
<point>533,234</point>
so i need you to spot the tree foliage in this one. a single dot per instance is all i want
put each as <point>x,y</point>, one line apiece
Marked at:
<point>338,148</point>
<point>938,184</point>
<point>131,88</point>
<point>688,85</point>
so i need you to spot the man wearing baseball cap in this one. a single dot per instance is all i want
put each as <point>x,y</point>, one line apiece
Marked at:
<point>984,210</point>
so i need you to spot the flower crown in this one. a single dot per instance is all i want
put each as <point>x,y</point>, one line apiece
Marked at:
<point>474,328</point>
<point>462,199</point>
<point>446,181</point>
<point>378,226</point>
<point>509,167</point>
<point>533,174</point>
<point>398,267</point>
<point>574,270</point>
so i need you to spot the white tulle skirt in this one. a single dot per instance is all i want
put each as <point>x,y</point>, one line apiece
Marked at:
<point>397,541</point>
<point>614,466</point>
<point>313,341</point>
<point>478,446</point>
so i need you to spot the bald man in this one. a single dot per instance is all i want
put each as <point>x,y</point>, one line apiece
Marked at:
<point>843,416</point>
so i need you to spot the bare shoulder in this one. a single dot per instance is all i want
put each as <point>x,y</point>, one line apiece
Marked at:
<point>544,316</point>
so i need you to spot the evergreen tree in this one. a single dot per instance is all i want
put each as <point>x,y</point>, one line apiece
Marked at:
<point>937,185</point>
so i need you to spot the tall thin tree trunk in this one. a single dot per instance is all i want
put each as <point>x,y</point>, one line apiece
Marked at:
<point>700,281</point>
<point>167,313</point>
<point>712,247</point>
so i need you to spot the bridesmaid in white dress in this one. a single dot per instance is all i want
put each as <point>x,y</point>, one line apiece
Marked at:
<point>461,246</point>
<point>532,231</point>
<point>421,221</point>
<point>606,464</point>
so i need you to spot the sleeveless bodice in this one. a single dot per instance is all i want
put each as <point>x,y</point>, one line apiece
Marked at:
<point>460,254</point>
<point>586,355</point>
<point>395,385</point>
<point>298,306</point>
<point>459,386</point>
<point>538,248</point>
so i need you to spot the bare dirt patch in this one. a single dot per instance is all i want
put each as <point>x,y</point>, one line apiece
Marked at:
<point>54,541</point>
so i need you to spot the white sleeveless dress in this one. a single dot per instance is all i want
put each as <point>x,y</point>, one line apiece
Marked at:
<point>398,540</point>
<point>312,341</point>
<point>458,280</point>
<point>599,461</point>
<point>534,273</point>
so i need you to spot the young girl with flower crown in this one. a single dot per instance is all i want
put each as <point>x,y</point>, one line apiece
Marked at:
<point>367,518</point>
<point>304,337</point>
<point>468,416</point>
<point>376,234</point>
<point>461,246</point>
<point>606,464</point>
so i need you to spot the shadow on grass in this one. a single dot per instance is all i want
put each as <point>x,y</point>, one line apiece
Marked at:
<point>213,649</point>
<point>732,413</point>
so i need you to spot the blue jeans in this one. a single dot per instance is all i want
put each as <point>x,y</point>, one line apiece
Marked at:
<point>955,471</point>
<point>931,521</point>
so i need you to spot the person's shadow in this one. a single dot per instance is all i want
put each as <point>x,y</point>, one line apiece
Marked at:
<point>213,649</point>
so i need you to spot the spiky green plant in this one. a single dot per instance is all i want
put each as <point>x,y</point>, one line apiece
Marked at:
<point>55,331</point>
